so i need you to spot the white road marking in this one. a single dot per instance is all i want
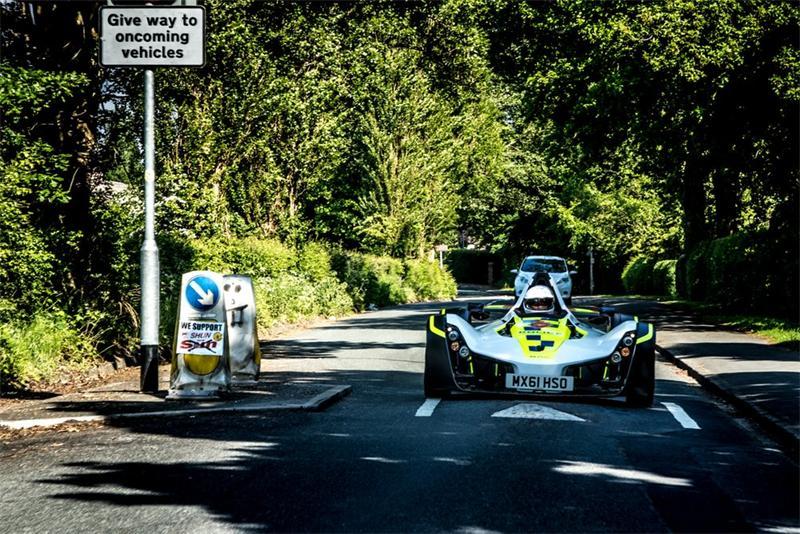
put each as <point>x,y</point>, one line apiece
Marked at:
<point>536,411</point>
<point>427,408</point>
<point>681,416</point>
<point>592,469</point>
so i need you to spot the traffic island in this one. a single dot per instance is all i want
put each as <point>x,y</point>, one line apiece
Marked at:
<point>122,400</point>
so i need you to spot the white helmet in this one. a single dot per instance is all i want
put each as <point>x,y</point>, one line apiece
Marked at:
<point>538,299</point>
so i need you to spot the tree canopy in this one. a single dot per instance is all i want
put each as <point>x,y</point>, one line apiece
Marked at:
<point>633,128</point>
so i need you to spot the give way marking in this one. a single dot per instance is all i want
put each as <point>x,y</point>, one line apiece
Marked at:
<point>530,410</point>
<point>681,416</point>
<point>427,408</point>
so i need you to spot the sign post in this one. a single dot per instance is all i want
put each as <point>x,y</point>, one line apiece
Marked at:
<point>150,271</point>
<point>441,249</point>
<point>151,37</point>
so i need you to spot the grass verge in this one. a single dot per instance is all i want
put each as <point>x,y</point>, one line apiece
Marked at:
<point>782,332</point>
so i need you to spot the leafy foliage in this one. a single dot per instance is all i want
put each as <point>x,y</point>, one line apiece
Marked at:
<point>322,136</point>
<point>36,350</point>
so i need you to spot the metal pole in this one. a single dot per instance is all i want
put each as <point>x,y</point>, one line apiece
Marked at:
<point>591,271</point>
<point>149,251</point>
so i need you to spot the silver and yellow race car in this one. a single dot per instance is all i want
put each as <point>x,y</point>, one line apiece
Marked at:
<point>537,346</point>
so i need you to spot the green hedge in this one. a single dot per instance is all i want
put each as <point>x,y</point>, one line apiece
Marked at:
<point>747,271</point>
<point>664,278</point>
<point>648,276</point>
<point>472,266</point>
<point>295,284</point>
<point>384,281</point>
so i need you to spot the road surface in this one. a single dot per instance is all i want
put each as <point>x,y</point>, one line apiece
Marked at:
<point>385,459</point>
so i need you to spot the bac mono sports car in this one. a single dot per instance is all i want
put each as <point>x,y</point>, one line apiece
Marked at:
<point>540,349</point>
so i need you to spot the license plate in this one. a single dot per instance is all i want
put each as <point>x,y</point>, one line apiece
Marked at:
<point>540,383</point>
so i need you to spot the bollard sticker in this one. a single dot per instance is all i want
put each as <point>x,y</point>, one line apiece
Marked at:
<point>201,337</point>
<point>202,293</point>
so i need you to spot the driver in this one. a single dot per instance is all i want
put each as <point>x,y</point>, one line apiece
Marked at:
<point>538,300</point>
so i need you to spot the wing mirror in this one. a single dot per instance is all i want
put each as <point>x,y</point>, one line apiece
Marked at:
<point>514,271</point>
<point>573,273</point>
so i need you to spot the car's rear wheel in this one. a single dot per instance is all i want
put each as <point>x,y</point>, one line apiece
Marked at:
<point>641,387</point>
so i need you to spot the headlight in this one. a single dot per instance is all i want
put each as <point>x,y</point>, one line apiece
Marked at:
<point>452,334</point>
<point>463,351</point>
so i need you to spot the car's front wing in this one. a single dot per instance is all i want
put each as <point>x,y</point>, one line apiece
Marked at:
<point>478,373</point>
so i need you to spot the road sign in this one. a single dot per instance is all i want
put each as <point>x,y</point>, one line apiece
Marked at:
<point>440,248</point>
<point>136,36</point>
<point>202,293</point>
<point>152,36</point>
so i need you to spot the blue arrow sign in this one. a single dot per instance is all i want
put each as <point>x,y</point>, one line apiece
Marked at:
<point>202,293</point>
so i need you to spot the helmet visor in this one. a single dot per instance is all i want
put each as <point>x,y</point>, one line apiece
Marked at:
<point>539,303</point>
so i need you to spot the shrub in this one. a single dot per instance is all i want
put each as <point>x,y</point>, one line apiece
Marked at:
<point>637,277</point>
<point>696,273</point>
<point>315,261</point>
<point>37,350</point>
<point>428,281</point>
<point>290,298</point>
<point>250,256</point>
<point>378,280</point>
<point>664,278</point>
<point>746,271</point>
<point>649,276</point>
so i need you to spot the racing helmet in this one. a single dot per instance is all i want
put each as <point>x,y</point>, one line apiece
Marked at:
<point>538,299</point>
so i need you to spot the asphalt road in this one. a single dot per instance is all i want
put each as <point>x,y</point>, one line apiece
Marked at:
<point>384,459</point>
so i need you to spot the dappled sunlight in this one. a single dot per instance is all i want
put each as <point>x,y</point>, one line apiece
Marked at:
<point>475,530</point>
<point>382,460</point>
<point>619,474</point>
<point>779,529</point>
<point>454,461</point>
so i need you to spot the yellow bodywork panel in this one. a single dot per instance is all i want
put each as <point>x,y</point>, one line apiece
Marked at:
<point>539,338</point>
<point>433,328</point>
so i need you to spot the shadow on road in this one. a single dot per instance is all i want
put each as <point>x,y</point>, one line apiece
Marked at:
<point>365,465</point>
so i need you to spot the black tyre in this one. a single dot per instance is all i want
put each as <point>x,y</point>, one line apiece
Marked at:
<point>432,389</point>
<point>641,386</point>
<point>438,377</point>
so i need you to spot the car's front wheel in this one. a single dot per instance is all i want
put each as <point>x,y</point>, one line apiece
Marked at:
<point>641,387</point>
<point>433,387</point>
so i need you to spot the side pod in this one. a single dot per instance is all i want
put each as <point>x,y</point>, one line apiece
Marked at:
<point>439,381</point>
